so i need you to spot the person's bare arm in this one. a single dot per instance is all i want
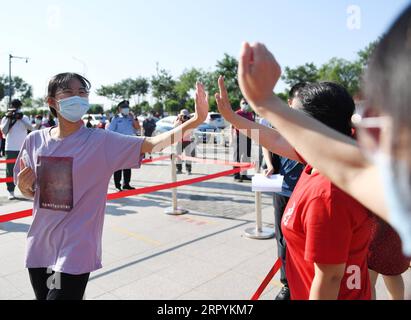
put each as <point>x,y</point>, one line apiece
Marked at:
<point>158,143</point>
<point>267,137</point>
<point>336,156</point>
<point>327,281</point>
<point>269,161</point>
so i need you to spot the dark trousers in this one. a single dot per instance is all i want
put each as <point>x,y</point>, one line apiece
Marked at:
<point>2,147</point>
<point>9,169</point>
<point>189,149</point>
<point>280,203</point>
<point>242,149</point>
<point>50,285</point>
<point>126,175</point>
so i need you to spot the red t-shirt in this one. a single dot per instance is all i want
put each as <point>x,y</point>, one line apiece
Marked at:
<point>244,114</point>
<point>322,224</point>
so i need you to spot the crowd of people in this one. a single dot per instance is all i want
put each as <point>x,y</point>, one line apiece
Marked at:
<point>343,216</point>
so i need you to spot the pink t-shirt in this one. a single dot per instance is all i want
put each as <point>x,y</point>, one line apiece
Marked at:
<point>72,177</point>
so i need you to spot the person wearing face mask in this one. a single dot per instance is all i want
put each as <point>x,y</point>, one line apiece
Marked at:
<point>327,232</point>
<point>38,123</point>
<point>14,126</point>
<point>376,170</point>
<point>66,170</point>
<point>240,142</point>
<point>124,123</point>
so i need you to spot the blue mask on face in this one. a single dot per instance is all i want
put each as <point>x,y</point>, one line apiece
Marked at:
<point>397,194</point>
<point>73,108</point>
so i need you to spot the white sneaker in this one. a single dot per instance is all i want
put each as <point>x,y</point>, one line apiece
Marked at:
<point>11,196</point>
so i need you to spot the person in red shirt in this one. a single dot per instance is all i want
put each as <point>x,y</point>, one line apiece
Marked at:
<point>241,143</point>
<point>327,232</point>
<point>328,235</point>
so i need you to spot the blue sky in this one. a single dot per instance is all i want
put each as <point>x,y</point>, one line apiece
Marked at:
<point>113,40</point>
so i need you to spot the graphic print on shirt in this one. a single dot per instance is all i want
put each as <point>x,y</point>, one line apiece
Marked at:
<point>288,214</point>
<point>55,176</point>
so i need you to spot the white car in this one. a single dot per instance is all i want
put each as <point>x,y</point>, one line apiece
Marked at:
<point>164,125</point>
<point>95,119</point>
<point>215,119</point>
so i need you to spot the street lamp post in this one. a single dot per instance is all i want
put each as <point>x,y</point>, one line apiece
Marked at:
<point>84,65</point>
<point>10,81</point>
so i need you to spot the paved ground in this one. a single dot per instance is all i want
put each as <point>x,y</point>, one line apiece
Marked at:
<point>150,255</point>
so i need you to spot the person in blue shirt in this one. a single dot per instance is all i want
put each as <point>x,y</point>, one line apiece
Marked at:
<point>124,123</point>
<point>291,170</point>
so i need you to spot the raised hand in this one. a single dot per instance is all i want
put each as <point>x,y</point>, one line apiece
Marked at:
<point>201,105</point>
<point>26,179</point>
<point>258,73</point>
<point>223,103</point>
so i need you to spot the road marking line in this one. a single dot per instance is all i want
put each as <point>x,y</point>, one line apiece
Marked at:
<point>136,236</point>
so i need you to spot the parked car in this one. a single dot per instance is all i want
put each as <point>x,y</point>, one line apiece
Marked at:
<point>205,133</point>
<point>95,119</point>
<point>216,119</point>
<point>164,125</point>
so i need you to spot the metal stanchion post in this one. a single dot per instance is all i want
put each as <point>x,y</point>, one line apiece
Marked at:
<point>259,232</point>
<point>174,209</point>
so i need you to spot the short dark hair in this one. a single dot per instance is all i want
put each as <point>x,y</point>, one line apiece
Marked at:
<point>329,103</point>
<point>16,103</point>
<point>61,81</point>
<point>124,103</point>
<point>294,89</point>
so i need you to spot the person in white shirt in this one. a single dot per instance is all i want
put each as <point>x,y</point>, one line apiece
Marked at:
<point>15,127</point>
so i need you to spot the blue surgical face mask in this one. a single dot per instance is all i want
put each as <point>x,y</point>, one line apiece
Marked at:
<point>397,192</point>
<point>245,107</point>
<point>73,108</point>
<point>125,111</point>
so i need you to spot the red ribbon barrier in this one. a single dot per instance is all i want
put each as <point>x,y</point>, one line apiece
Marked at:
<point>8,161</point>
<point>220,162</point>
<point>16,215</point>
<point>270,275</point>
<point>10,179</point>
<point>3,180</point>
<point>171,185</point>
<point>128,193</point>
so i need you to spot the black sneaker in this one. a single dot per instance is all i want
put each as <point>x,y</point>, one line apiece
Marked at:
<point>284,294</point>
<point>119,189</point>
<point>128,187</point>
<point>245,178</point>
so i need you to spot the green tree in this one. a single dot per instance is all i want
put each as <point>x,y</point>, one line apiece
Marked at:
<point>365,54</point>
<point>228,67</point>
<point>158,107</point>
<point>96,109</point>
<point>21,89</point>
<point>343,72</point>
<point>307,72</point>
<point>111,92</point>
<point>186,83</point>
<point>145,107</point>
<point>163,88</point>
<point>37,103</point>
<point>172,106</point>
<point>125,89</point>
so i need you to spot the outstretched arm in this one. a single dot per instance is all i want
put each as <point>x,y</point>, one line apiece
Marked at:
<point>265,136</point>
<point>336,156</point>
<point>158,143</point>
